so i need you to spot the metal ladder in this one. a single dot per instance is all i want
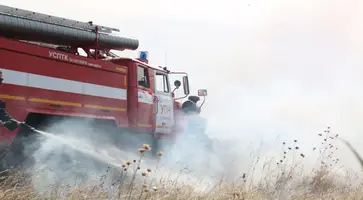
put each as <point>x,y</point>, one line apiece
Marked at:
<point>6,10</point>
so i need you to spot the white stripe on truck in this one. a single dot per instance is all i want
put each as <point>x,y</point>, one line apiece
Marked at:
<point>58,84</point>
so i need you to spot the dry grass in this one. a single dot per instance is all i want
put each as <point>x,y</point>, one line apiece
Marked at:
<point>284,179</point>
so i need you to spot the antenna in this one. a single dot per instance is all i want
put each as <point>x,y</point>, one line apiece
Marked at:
<point>166,58</point>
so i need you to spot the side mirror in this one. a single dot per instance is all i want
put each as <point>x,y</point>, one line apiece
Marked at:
<point>202,92</point>
<point>177,84</point>
<point>186,85</point>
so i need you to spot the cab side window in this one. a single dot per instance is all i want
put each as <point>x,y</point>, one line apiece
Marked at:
<point>162,82</point>
<point>143,77</point>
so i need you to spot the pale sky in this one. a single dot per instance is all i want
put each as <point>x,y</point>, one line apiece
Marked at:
<point>271,67</point>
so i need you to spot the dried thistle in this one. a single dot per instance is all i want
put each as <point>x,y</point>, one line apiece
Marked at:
<point>146,147</point>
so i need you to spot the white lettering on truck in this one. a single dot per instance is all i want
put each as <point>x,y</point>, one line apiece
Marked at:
<point>57,55</point>
<point>64,57</point>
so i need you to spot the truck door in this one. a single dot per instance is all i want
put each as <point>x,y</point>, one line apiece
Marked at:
<point>165,112</point>
<point>146,108</point>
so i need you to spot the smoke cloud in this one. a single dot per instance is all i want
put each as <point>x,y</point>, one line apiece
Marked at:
<point>77,152</point>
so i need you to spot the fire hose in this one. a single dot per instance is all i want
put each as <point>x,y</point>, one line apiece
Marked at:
<point>21,124</point>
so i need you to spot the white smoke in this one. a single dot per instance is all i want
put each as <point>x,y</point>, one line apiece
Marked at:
<point>74,153</point>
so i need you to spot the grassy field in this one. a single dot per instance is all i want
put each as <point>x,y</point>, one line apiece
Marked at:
<point>281,179</point>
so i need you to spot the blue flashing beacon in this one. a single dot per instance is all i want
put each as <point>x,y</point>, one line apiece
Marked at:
<point>143,55</point>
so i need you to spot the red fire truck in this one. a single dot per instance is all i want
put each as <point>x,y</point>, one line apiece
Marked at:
<point>47,79</point>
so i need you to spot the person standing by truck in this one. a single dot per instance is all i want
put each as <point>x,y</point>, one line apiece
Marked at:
<point>13,156</point>
<point>10,123</point>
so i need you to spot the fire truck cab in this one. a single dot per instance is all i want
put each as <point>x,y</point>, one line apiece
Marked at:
<point>156,106</point>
